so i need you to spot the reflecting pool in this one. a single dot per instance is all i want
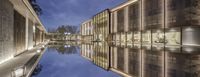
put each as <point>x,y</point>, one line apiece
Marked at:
<point>106,59</point>
<point>63,59</point>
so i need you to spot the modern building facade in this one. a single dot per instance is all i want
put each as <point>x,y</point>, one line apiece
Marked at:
<point>101,22</point>
<point>97,53</point>
<point>154,38</point>
<point>87,31</point>
<point>20,28</point>
<point>157,30</point>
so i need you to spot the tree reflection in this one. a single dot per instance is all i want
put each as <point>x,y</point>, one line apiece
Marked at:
<point>66,49</point>
<point>37,70</point>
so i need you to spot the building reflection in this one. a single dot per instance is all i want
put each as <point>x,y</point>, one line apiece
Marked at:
<point>145,61</point>
<point>37,70</point>
<point>97,52</point>
<point>64,47</point>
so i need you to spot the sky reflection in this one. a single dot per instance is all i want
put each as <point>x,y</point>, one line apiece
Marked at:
<point>55,64</point>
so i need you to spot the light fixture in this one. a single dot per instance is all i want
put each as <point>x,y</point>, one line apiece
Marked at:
<point>30,48</point>
<point>18,72</point>
<point>189,29</point>
<point>172,30</point>
<point>189,50</point>
<point>38,51</point>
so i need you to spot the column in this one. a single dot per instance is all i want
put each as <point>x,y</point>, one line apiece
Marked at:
<point>26,30</point>
<point>126,59</point>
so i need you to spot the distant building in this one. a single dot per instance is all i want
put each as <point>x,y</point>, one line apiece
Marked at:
<point>87,31</point>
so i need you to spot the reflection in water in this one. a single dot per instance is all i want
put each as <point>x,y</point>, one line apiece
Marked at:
<point>67,49</point>
<point>37,70</point>
<point>145,61</point>
<point>62,59</point>
<point>138,61</point>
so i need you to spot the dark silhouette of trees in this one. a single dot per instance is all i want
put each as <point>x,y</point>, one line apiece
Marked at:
<point>68,29</point>
<point>66,50</point>
<point>36,7</point>
<point>61,29</point>
<point>37,70</point>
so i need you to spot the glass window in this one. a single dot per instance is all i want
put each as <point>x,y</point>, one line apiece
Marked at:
<point>158,37</point>
<point>134,16</point>
<point>146,37</point>
<point>129,38</point>
<point>134,61</point>
<point>120,20</point>
<point>173,37</point>
<point>120,59</point>
<point>137,37</point>
<point>190,36</point>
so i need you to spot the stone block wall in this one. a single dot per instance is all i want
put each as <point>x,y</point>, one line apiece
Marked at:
<point>19,33</point>
<point>6,30</point>
<point>30,34</point>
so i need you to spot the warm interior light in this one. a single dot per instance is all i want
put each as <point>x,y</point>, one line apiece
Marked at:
<point>30,48</point>
<point>18,72</point>
<point>172,30</point>
<point>6,59</point>
<point>189,29</point>
<point>38,51</point>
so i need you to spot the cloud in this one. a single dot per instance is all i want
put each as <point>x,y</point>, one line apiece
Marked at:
<point>72,12</point>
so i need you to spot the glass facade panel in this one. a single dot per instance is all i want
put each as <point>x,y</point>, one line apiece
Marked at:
<point>101,51</point>
<point>123,39</point>
<point>153,14</point>
<point>120,58</point>
<point>173,37</point>
<point>129,39</point>
<point>146,38</point>
<point>190,36</point>
<point>134,17</point>
<point>137,37</point>
<point>153,62</point>
<point>101,25</point>
<point>120,20</point>
<point>158,37</point>
<point>134,61</point>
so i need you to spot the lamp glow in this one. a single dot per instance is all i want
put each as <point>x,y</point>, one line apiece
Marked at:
<point>38,51</point>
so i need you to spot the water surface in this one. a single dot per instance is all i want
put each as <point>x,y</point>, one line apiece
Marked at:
<point>66,61</point>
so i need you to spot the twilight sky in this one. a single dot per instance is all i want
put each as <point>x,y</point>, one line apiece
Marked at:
<point>72,12</point>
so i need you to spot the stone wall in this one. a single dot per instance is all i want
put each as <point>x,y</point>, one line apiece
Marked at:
<point>30,34</point>
<point>6,30</point>
<point>19,33</point>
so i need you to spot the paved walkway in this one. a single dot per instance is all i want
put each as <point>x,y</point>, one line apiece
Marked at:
<point>7,67</point>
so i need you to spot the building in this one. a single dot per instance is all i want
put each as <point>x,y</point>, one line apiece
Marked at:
<point>101,22</point>
<point>87,31</point>
<point>152,38</point>
<point>97,53</point>
<point>20,28</point>
<point>87,51</point>
<point>158,30</point>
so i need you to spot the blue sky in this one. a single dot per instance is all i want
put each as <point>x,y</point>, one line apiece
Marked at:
<point>72,12</point>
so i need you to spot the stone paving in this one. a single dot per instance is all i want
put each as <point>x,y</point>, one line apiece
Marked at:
<point>8,67</point>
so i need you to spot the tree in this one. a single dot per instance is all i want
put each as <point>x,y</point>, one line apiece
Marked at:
<point>36,7</point>
<point>61,29</point>
<point>67,29</point>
